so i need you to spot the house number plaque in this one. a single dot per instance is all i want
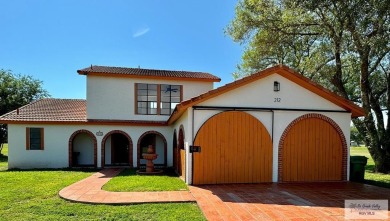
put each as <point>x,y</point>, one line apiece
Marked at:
<point>194,149</point>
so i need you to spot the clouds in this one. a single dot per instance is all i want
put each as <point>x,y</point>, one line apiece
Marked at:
<point>140,32</point>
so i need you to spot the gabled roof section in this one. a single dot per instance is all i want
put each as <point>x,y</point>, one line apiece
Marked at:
<point>148,73</point>
<point>281,70</point>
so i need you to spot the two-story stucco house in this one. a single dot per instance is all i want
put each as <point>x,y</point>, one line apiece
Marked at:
<point>272,126</point>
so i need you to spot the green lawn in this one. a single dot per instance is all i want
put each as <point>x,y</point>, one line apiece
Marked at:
<point>128,180</point>
<point>33,195</point>
<point>377,179</point>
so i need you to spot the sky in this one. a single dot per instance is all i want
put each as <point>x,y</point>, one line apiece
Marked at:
<point>51,40</point>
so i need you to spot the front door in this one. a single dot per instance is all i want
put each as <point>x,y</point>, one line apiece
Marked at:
<point>120,149</point>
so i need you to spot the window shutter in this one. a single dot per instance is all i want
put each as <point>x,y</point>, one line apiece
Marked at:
<point>27,138</point>
<point>42,139</point>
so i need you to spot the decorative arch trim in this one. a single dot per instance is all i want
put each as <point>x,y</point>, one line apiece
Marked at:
<point>70,149</point>
<point>328,120</point>
<point>103,145</point>
<point>139,146</point>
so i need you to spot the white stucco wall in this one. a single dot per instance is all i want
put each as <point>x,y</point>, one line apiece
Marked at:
<point>114,98</point>
<point>55,153</point>
<point>261,94</point>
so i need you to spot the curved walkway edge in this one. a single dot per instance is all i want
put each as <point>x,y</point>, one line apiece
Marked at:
<point>89,190</point>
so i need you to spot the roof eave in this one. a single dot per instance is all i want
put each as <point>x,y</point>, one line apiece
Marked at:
<point>86,122</point>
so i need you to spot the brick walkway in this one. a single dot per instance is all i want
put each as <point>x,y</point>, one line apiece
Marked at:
<point>301,201</point>
<point>89,190</point>
<point>294,201</point>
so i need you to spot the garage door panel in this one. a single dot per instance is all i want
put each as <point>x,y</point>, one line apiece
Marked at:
<point>236,148</point>
<point>312,151</point>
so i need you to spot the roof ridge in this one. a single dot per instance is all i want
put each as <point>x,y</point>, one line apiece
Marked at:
<point>150,69</point>
<point>148,73</point>
<point>51,98</point>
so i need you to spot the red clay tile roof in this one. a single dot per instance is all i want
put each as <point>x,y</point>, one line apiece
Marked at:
<point>68,111</point>
<point>140,72</point>
<point>49,109</point>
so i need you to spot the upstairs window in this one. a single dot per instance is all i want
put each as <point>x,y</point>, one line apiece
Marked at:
<point>170,96</point>
<point>34,138</point>
<point>157,99</point>
<point>147,99</point>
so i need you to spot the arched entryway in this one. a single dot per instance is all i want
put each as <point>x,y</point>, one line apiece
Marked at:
<point>158,141</point>
<point>82,149</point>
<point>235,148</point>
<point>117,149</point>
<point>312,148</point>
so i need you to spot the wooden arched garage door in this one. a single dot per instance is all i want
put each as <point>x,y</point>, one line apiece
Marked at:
<point>235,148</point>
<point>312,150</point>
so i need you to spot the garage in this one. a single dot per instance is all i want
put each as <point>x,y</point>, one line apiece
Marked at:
<point>235,148</point>
<point>312,150</point>
<point>272,126</point>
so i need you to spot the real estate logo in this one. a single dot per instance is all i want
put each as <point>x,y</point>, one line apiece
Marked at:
<point>366,209</point>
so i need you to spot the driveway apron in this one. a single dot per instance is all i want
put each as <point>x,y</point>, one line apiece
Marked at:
<point>292,201</point>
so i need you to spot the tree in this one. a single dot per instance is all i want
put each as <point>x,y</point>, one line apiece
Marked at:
<point>15,91</point>
<point>356,136</point>
<point>343,45</point>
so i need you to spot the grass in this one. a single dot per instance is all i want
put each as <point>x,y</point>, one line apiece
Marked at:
<point>33,195</point>
<point>128,180</point>
<point>377,179</point>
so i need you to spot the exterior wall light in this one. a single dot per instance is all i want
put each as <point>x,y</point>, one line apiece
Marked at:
<point>276,86</point>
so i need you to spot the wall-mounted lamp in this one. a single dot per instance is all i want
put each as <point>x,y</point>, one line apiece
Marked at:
<point>276,86</point>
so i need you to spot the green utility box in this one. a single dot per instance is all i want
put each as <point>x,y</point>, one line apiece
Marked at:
<point>357,164</point>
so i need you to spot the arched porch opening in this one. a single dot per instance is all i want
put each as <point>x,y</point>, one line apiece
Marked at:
<point>82,149</point>
<point>158,141</point>
<point>117,149</point>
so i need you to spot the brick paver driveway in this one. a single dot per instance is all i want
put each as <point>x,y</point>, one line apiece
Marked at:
<point>306,201</point>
